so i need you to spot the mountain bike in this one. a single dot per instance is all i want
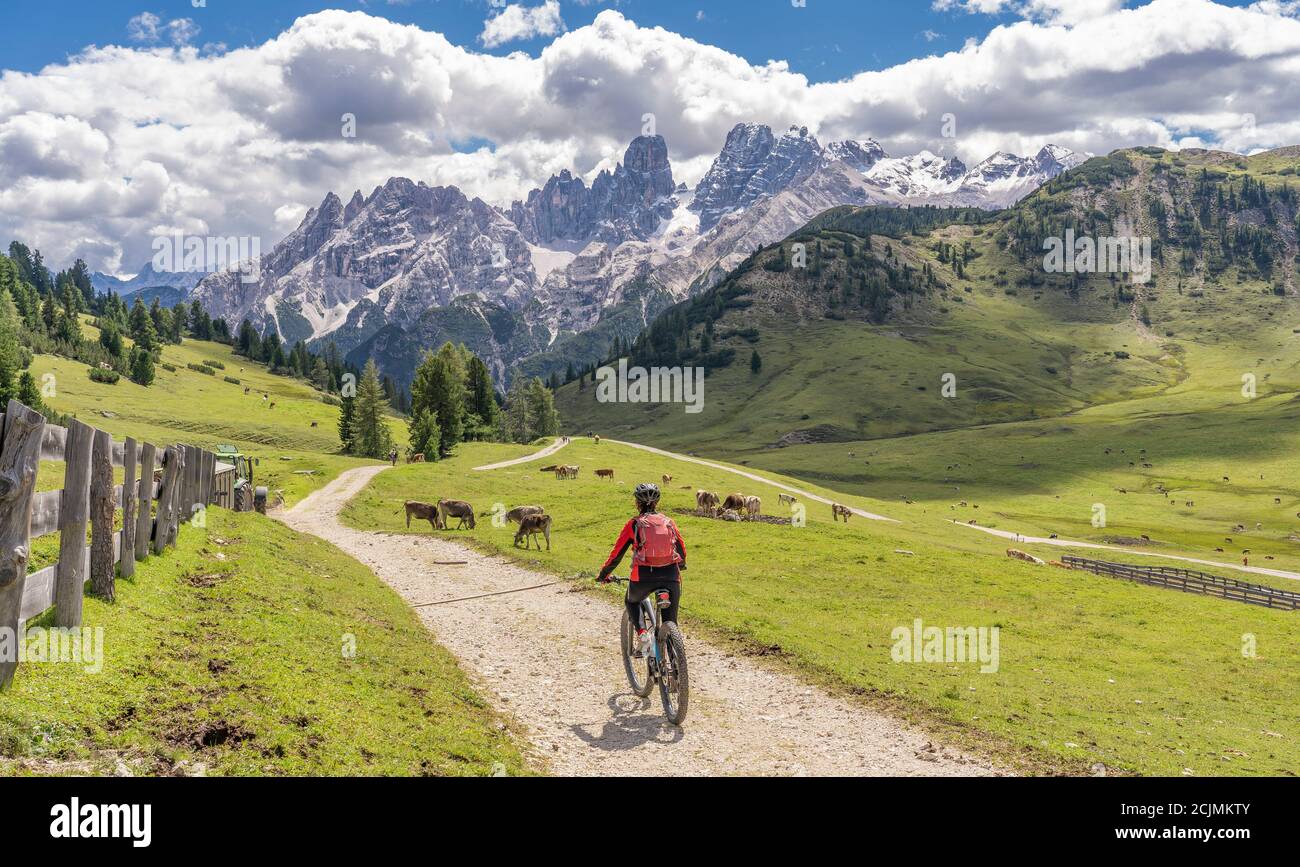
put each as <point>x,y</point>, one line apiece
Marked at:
<point>664,663</point>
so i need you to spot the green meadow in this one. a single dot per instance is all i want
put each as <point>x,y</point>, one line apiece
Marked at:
<point>250,649</point>
<point>1091,669</point>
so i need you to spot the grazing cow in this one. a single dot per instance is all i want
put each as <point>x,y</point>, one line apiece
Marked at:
<point>706,500</point>
<point>456,509</point>
<point>424,512</point>
<point>734,502</point>
<point>838,511</point>
<point>667,479</point>
<point>753,506</point>
<point>272,404</point>
<point>786,499</point>
<point>549,469</point>
<point>604,474</point>
<point>246,389</point>
<point>313,424</point>
<point>570,471</point>
<point>417,458</point>
<point>597,439</point>
<point>518,513</point>
<point>532,525</point>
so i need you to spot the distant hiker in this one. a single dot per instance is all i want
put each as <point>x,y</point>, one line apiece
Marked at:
<point>392,456</point>
<point>658,556</point>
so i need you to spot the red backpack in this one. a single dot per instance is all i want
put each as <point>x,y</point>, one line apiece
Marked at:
<point>655,538</point>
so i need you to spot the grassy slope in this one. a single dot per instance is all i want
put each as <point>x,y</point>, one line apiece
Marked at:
<point>228,653</point>
<point>1092,669</point>
<point>188,406</point>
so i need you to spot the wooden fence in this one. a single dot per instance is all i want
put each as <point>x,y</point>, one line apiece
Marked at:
<point>1191,581</point>
<point>180,479</point>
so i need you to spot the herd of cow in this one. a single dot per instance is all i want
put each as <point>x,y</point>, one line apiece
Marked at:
<point>532,520</point>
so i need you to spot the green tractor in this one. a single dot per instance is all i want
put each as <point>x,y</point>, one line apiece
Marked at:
<point>242,496</point>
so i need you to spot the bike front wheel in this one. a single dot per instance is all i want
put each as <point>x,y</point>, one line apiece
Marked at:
<point>674,680</point>
<point>638,670</point>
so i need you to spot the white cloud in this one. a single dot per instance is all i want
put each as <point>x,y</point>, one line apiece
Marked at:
<point>149,29</point>
<point>1051,11</point>
<point>244,142</point>
<point>520,22</point>
<point>143,27</point>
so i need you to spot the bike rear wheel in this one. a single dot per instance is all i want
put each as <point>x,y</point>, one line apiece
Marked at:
<point>638,670</point>
<point>674,680</point>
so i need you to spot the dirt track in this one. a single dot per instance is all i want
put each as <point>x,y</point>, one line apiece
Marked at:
<point>549,658</point>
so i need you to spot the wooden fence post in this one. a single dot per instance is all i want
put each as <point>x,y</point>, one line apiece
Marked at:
<point>20,455</point>
<point>102,582</point>
<point>166,496</point>
<point>209,474</point>
<point>130,496</point>
<point>144,519</point>
<point>70,578</point>
<point>177,499</point>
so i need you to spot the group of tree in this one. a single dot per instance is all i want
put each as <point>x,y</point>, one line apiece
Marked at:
<point>452,400</point>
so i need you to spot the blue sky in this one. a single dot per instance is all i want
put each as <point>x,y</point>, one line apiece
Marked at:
<point>825,40</point>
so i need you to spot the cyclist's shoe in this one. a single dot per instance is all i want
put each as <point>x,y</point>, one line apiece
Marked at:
<point>643,642</point>
<point>638,644</point>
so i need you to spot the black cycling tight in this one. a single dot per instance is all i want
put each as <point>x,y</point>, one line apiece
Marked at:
<point>639,590</point>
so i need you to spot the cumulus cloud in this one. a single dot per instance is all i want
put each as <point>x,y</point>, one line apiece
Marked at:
<point>243,142</point>
<point>520,22</point>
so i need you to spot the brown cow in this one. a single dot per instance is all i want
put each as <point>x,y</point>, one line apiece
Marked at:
<point>667,479</point>
<point>549,469</point>
<point>734,502</point>
<point>424,512</point>
<point>518,513</point>
<point>604,474</point>
<point>837,510</point>
<point>568,471</point>
<point>532,525</point>
<point>417,458</point>
<point>597,438</point>
<point>706,500</point>
<point>753,506</point>
<point>456,509</point>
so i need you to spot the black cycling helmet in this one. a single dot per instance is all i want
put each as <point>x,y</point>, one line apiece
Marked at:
<point>647,494</point>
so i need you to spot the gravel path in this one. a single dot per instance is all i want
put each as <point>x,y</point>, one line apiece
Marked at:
<point>549,658</point>
<point>752,476</point>
<point>554,447</point>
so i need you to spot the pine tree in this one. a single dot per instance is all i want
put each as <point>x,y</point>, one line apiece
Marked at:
<point>371,437</point>
<point>480,400</point>
<point>439,388</point>
<point>29,394</point>
<point>543,420</point>
<point>347,411</point>
<point>426,436</point>
<point>755,362</point>
<point>142,369</point>
<point>141,326</point>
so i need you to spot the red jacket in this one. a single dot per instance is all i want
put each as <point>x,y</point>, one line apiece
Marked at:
<point>627,539</point>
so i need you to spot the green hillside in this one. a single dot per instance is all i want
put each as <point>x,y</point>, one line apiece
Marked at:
<point>206,410</point>
<point>1173,404</point>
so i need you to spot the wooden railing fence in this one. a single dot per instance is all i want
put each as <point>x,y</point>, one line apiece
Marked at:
<point>180,479</point>
<point>1191,581</point>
